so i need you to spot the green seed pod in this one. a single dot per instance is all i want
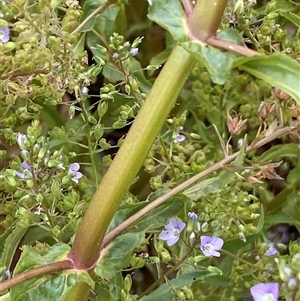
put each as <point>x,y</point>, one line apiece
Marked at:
<point>106,160</point>
<point>280,35</point>
<point>2,153</point>
<point>265,30</point>
<point>10,99</point>
<point>137,262</point>
<point>165,255</point>
<point>104,144</point>
<point>92,120</point>
<point>56,231</point>
<point>98,133</point>
<point>102,108</point>
<point>9,46</point>
<point>127,283</point>
<point>119,124</point>
<point>21,56</point>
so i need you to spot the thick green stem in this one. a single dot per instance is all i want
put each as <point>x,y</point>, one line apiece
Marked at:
<point>203,23</point>
<point>205,18</point>
<point>129,158</point>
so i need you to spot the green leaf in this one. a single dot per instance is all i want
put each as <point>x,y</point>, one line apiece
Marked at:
<point>280,218</point>
<point>5,297</point>
<point>292,207</point>
<point>116,256</point>
<point>125,211</point>
<point>3,238</point>
<point>170,16</point>
<point>161,214</point>
<point>217,63</point>
<point>50,287</point>
<point>291,17</point>
<point>30,258</point>
<point>211,185</point>
<point>10,245</point>
<point>90,6</point>
<point>276,203</point>
<point>47,287</point>
<point>164,292</point>
<point>78,48</point>
<point>278,70</point>
<point>292,150</point>
<point>218,281</point>
<point>231,35</point>
<point>293,175</point>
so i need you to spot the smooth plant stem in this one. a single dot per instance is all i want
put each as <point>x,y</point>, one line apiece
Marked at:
<point>213,41</point>
<point>205,19</point>
<point>89,141</point>
<point>132,219</point>
<point>188,6</point>
<point>41,270</point>
<point>168,158</point>
<point>130,157</point>
<point>238,258</point>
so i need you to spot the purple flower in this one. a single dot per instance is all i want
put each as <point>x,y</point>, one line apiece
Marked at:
<point>265,291</point>
<point>193,216</point>
<point>210,245</point>
<point>179,138</point>
<point>4,34</point>
<point>73,170</point>
<point>271,250</point>
<point>172,232</point>
<point>27,171</point>
<point>292,284</point>
<point>134,51</point>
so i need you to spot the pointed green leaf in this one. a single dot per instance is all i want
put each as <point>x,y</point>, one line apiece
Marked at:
<point>295,19</point>
<point>211,185</point>
<point>292,150</point>
<point>90,6</point>
<point>292,206</point>
<point>217,63</point>
<point>10,246</point>
<point>50,286</point>
<point>78,48</point>
<point>278,70</point>
<point>231,35</point>
<point>164,292</point>
<point>117,254</point>
<point>161,214</point>
<point>170,16</point>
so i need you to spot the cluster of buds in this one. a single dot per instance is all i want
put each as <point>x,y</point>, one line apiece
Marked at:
<point>123,49</point>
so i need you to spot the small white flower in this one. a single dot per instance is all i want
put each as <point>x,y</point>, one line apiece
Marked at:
<point>85,90</point>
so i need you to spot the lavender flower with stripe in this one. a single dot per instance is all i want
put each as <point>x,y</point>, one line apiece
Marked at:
<point>271,250</point>
<point>265,291</point>
<point>27,171</point>
<point>210,245</point>
<point>74,171</point>
<point>172,231</point>
<point>4,34</point>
